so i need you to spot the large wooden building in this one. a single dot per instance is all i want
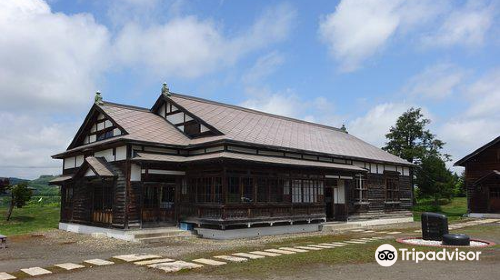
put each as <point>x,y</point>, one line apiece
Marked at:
<point>221,166</point>
<point>482,178</point>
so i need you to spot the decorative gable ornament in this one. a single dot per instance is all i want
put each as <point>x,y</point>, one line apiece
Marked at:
<point>98,98</point>
<point>165,90</point>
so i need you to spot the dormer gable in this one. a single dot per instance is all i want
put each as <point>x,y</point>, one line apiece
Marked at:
<point>183,120</point>
<point>98,126</point>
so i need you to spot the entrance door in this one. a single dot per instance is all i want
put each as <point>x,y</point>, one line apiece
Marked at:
<point>158,203</point>
<point>329,203</point>
<point>494,199</point>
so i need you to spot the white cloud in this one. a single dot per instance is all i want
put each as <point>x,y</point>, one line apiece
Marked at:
<point>285,103</point>
<point>373,126</point>
<point>466,26</point>
<point>264,67</point>
<point>27,143</point>
<point>190,47</point>
<point>359,30</point>
<point>48,60</point>
<point>484,96</point>
<point>436,82</point>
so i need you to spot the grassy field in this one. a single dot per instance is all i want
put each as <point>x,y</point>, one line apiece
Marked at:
<point>31,218</point>
<point>454,209</point>
<point>351,254</point>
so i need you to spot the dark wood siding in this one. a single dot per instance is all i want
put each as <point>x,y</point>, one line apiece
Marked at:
<point>475,168</point>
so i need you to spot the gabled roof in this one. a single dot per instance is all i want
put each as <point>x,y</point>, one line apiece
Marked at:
<point>477,152</point>
<point>99,166</point>
<point>237,125</point>
<point>251,126</point>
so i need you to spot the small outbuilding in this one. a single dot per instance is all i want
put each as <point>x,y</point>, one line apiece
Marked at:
<point>482,178</point>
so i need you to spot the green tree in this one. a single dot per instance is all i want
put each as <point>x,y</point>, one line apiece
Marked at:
<point>410,139</point>
<point>434,179</point>
<point>20,195</point>
<point>460,184</point>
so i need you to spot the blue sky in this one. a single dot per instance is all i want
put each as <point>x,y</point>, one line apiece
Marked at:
<point>358,63</point>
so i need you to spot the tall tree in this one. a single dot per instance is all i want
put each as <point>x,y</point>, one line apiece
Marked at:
<point>20,195</point>
<point>434,179</point>
<point>410,139</point>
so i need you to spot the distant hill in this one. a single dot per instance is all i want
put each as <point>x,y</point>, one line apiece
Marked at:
<point>40,185</point>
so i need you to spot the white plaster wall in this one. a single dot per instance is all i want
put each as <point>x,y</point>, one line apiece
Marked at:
<point>121,153</point>
<point>107,154</point>
<point>135,173</point>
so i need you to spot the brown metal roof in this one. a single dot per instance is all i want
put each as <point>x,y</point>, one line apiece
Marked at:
<point>242,125</point>
<point>255,158</point>
<point>246,125</point>
<point>60,179</point>
<point>100,166</point>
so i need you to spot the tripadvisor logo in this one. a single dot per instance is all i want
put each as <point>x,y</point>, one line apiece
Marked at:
<point>387,255</point>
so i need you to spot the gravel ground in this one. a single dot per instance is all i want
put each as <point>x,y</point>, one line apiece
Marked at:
<point>52,247</point>
<point>55,246</point>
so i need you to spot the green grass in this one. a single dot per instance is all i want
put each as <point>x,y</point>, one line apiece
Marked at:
<point>289,265</point>
<point>31,218</point>
<point>454,209</point>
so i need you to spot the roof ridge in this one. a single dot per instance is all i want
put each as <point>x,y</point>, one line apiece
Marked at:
<point>126,106</point>
<point>253,111</point>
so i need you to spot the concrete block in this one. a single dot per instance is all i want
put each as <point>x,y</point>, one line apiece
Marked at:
<point>136,257</point>
<point>249,256</point>
<point>279,251</point>
<point>98,262</point>
<point>209,262</point>
<point>35,271</point>
<point>175,266</point>
<point>6,276</point>
<point>69,266</point>
<point>294,250</point>
<point>266,254</point>
<point>155,261</point>
<point>231,258</point>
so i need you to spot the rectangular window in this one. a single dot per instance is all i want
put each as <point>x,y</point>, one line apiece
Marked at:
<point>233,189</point>
<point>296,191</point>
<point>247,184</point>
<point>68,196</point>
<point>262,190</point>
<point>103,198</point>
<point>360,190</point>
<point>392,189</point>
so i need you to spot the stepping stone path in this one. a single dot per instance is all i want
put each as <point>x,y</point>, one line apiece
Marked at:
<point>136,257</point>
<point>6,276</point>
<point>231,258</point>
<point>309,248</point>
<point>35,271</point>
<point>278,251</point>
<point>175,266</point>
<point>355,242</point>
<point>155,261</point>
<point>250,256</point>
<point>69,266</point>
<point>294,250</point>
<point>266,254</point>
<point>209,262</point>
<point>98,262</point>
